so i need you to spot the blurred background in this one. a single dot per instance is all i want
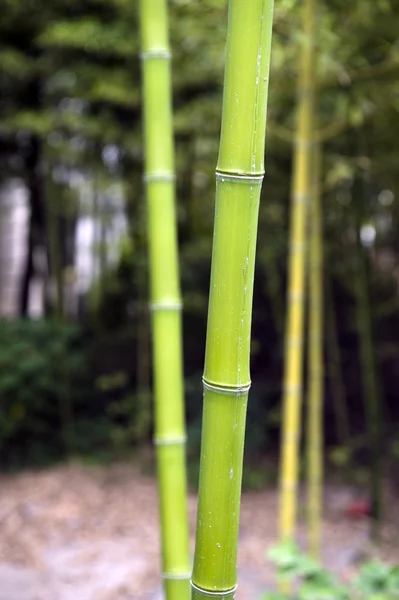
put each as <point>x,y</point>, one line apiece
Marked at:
<point>75,342</point>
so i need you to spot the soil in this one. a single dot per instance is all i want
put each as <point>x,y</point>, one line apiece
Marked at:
<point>91,533</point>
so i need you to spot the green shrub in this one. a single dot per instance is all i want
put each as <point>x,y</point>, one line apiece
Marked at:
<point>375,581</point>
<point>34,357</point>
<point>57,380</point>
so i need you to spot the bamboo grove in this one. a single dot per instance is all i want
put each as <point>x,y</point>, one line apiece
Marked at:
<point>226,377</point>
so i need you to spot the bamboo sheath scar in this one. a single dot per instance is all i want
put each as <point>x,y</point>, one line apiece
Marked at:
<point>226,379</point>
<point>293,367</point>
<point>165,299</point>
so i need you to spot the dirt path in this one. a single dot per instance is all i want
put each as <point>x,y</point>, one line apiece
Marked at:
<point>76,533</point>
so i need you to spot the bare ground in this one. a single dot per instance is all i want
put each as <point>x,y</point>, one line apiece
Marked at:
<point>80,533</point>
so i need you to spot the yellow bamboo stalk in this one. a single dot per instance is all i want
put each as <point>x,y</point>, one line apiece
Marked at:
<point>293,367</point>
<point>315,365</point>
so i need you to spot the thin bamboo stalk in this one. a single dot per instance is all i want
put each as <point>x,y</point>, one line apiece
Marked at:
<point>293,364</point>
<point>239,176</point>
<point>54,213</point>
<point>165,299</point>
<point>315,365</point>
<point>369,367</point>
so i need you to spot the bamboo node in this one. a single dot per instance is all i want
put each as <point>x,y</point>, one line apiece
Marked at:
<point>295,342</point>
<point>256,178</point>
<point>297,248</point>
<point>292,437</point>
<point>219,594</point>
<point>289,485</point>
<point>186,575</point>
<point>170,440</point>
<point>293,387</point>
<point>167,305</point>
<point>160,53</point>
<point>305,144</point>
<point>296,296</point>
<point>301,198</point>
<point>151,177</point>
<point>221,389</point>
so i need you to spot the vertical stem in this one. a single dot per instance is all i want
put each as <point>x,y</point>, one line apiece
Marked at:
<point>315,363</point>
<point>36,234</point>
<point>54,205</point>
<point>368,364</point>
<point>335,372</point>
<point>55,253</point>
<point>102,247</point>
<point>96,215</point>
<point>239,176</point>
<point>170,433</point>
<point>293,366</point>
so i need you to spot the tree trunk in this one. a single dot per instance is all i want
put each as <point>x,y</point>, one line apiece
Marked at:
<point>36,236</point>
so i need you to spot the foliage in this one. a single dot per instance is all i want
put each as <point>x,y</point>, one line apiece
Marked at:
<point>375,581</point>
<point>109,417</point>
<point>30,384</point>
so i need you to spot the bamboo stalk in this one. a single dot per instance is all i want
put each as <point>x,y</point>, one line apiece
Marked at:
<point>315,364</point>
<point>165,299</point>
<point>239,176</point>
<point>334,364</point>
<point>54,213</point>
<point>369,367</point>
<point>293,364</point>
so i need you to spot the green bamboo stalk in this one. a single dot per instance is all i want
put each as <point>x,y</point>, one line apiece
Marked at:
<point>170,433</point>
<point>239,176</point>
<point>293,364</point>
<point>315,364</point>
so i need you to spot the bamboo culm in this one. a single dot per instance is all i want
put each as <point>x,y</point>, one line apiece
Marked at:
<point>369,369</point>
<point>294,341</point>
<point>54,214</point>
<point>165,299</point>
<point>315,364</point>
<point>239,176</point>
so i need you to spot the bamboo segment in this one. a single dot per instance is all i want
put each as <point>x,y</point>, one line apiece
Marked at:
<point>293,364</point>
<point>165,299</point>
<point>239,176</point>
<point>316,373</point>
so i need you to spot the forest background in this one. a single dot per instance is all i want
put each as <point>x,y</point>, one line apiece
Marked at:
<point>75,347</point>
